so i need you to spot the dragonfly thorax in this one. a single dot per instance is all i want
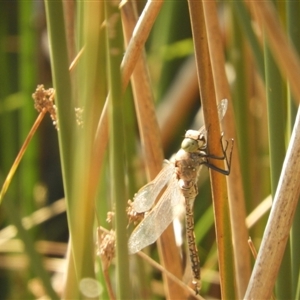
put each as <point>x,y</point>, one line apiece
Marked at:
<point>187,165</point>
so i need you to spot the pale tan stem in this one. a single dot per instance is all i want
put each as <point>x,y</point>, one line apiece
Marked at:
<point>21,153</point>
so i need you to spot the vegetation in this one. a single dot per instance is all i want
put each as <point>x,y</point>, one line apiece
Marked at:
<point>129,79</point>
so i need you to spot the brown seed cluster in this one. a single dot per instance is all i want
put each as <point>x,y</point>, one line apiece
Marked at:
<point>44,100</point>
<point>133,216</point>
<point>109,216</point>
<point>106,247</point>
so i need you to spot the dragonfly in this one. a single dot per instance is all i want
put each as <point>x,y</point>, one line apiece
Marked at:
<point>181,177</point>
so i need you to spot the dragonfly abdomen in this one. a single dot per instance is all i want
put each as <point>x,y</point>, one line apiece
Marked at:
<point>193,251</point>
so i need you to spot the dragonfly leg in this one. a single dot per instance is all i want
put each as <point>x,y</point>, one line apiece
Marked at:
<point>224,157</point>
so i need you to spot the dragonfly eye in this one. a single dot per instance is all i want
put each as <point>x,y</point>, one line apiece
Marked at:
<point>202,141</point>
<point>192,134</point>
<point>189,145</point>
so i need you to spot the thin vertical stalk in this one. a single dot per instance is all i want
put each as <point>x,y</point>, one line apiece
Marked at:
<point>293,25</point>
<point>133,51</point>
<point>244,19</point>
<point>145,107</point>
<point>276,124</point>
<point>62,84</point>
<point>138,38</point>
<point>144,103</point>
<point>279,224</point>
<point>114,57</point>
<point>19,157</point>
<point>218,182</point>
<point>276,117</point>
<point>83,191</point>
<point>240,94</point>
<point>284,53</point>
<point>236,199</point>
<point>69,291</point>
<point>27,84</point>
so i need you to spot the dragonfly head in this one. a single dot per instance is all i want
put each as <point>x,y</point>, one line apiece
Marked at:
<point>189,145</point>
<point>193,141</point>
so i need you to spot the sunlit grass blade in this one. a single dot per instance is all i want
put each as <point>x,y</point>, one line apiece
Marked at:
<point>117,166</point>
<point>62,85</point>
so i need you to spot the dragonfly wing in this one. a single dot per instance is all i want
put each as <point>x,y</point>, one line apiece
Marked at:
<point>145,197</point>
<point>222,108</point>
<point>158,219</point>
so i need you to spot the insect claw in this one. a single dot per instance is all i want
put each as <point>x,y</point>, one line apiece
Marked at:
<point>224,157</point>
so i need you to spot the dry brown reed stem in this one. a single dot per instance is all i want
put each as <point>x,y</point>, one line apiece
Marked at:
<point>252,248</point>
<point>218,181</point>
<point>279,223</point>
<point>76,59</point>
<point>236,199</point>
<point>144,100</point>
<point>102,130</point>
<point>153,154</point>
<point>283,51</point>
<point>134,50</point>
<point>43,103</point>
<point>101,137</point>
<point>106,251</point>
<point>254,254</point>
<point>139,37</point>
<point>108,284</point>
<point>21,153</point>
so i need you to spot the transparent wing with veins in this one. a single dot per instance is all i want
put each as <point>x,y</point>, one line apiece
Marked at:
<point>163,213</point>
<point>222,108</point>
<point>158,219</point>
<point>145,197</point>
